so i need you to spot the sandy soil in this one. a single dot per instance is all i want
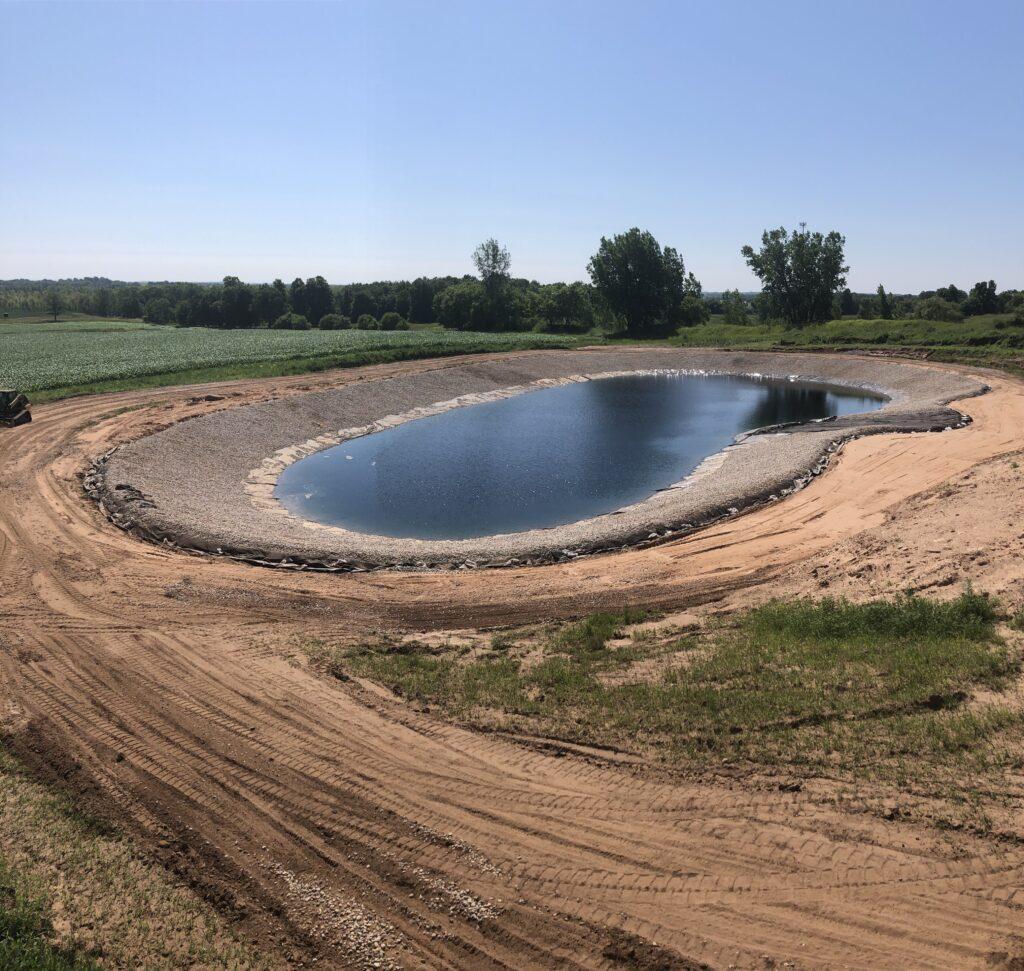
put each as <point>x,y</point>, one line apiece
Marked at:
<point>343,826</point>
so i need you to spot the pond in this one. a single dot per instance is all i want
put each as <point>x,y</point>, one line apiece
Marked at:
<point>544,458</point>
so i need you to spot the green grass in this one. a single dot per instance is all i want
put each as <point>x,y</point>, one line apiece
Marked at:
<point>992,331</point>
<point>51,360</point>
<point>992,340</point>
<point>816,685</point>
<point>26,934</point>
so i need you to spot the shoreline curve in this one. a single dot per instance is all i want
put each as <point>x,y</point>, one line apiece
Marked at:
<point>206,485</point>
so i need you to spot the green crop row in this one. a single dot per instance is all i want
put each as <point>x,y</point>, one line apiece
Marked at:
<point>55,356</point>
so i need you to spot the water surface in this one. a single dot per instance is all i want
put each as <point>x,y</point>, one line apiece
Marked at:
<point>544,458</point>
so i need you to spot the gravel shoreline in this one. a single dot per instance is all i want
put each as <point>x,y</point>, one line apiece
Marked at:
<point>207,484</point>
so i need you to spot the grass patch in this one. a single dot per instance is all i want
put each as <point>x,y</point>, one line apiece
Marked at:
<point>817,685</point>
<point>990,330</point>
<point>992,340</point>
<point>26,934</point>
<point>589,637</point>
<point>76,894</point>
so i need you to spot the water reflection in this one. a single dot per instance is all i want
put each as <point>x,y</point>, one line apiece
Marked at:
<point>778,405</point>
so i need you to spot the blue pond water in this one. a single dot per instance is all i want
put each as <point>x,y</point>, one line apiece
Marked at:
<point>543,458</point>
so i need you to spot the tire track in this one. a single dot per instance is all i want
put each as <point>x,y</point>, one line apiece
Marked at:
<point>161,682</point>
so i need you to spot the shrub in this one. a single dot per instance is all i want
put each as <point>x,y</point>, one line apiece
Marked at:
<point>542,325</point>
<point>935,308</point>
<point>290,322</point>
<point>459,305</point>
<point>334,322</point>
<point>393,321</point>
<point>367,322</point>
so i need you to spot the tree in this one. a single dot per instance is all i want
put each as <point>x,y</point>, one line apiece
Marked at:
<point>565,308</point>
<point>334,322</point>
<point>935,308</point>
<point>847,303</point>
<point>493,263</point>
<point>102,303</point>
<point>269,302</point>
<point>800,273</point>
<point>54,302</point>
<point>421,301</point>
<point>460,304</point>
<point>646,285</point>
<point>297,296</point>
<point>158,311</point>
<point>362,305</point>
<point>393,321</point>
<point>366,322</point>
<point>884,304</point>
<point>237,303</point>
<point>952,293</point>
<point>502,305</point>
<point>318,298</point>
<point>982,300</point>
<point>734,308</point>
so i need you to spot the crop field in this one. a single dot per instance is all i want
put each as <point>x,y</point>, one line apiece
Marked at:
<point>77,354</point>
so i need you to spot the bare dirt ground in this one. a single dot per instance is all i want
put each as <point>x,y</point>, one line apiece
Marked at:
<point>349,829</point>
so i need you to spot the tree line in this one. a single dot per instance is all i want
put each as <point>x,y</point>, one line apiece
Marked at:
<point>637,287</point>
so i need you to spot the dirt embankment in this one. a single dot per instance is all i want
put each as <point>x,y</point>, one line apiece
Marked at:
<point>359,831</point>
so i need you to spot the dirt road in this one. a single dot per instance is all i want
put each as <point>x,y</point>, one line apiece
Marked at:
<point>344,826</point>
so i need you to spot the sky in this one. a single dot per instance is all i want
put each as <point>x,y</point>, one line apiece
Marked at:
<point>384,140</point>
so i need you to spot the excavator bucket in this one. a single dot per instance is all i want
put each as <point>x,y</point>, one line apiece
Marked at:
<point>13,409</point>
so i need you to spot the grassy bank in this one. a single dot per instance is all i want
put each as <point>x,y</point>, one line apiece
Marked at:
<point>992,340</point>
<point>887,687</point>
<point>75,894</point>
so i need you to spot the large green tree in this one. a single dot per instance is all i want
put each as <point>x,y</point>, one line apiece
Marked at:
<point>54,302</point>
<point>421,301</point>
<point>951,294</point>
<point>644,284</point>
<point>983,299</point>
<point>297,296</point>
<point>318,298</point>
<point>800,273</point>
<point>236,303</point>
<point>492,262</point>
<point>734,308</point>
<point>884,303</point>
<point>269,302</point>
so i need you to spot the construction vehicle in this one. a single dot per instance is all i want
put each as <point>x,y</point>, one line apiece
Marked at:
<point>13,409</point>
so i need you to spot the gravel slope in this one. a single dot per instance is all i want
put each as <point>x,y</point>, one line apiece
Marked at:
<point>207,484</point>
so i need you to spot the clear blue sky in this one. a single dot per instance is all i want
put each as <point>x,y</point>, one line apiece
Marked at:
<point>383,140</point>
